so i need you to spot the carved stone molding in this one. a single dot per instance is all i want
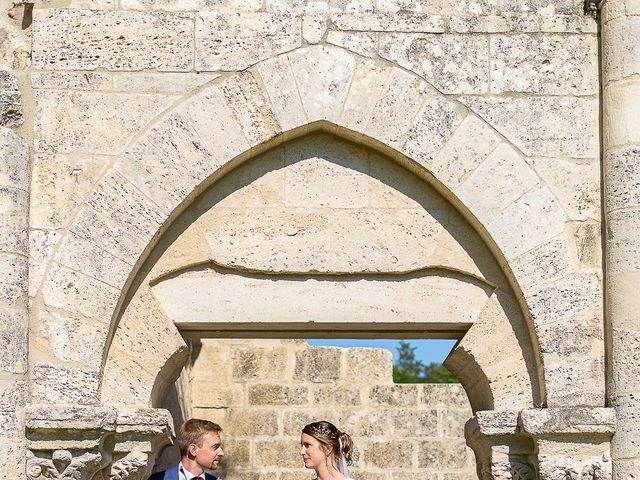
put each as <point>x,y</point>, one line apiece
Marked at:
<point>82,443</point>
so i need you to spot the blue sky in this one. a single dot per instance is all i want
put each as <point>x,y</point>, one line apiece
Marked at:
<point>426,350</point>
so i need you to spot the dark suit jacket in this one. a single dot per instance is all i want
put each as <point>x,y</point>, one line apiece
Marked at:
<point>172,474</point>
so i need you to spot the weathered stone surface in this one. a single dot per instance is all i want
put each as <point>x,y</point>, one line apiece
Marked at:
<point>578,420</point>
<point>452,422</point>
<point>486,203</point>
<point>295,420</point>
<point>57,385</point>
<point>364,44</point>
<point>192,5</point>
<point>364,423</point>
<point>251,422</point>
<point>452,64</point>
<point>389,454</point>
<point>546,65</point>
<point>10,100</point>
<point>71,80</point>
<point>415,423</point>
<point>14,205</point>
<point>394,395</point>
<point>314,27</point>
<point>41,245</point>
<point>364,365</point>
<point>543,264</point>
<point>340,394</point>
<point>275,453</point>
<point>235,41</point>
<point>67,39</point>
<point>170,83</point>
<point>323,75</point>
<point>258,363</point>
<point>318,364</point>
<point>266,394</point>
<point>389,22</point>
<point>59,185</point>
<point>450,395</point>
<point>14,160</point>
<point>622,230</point>
<point>536,203</point>
<point>620,104</point>
<point>620,52</point>
<point>446,7</point>
<point>543,126</point>
<point>622,167</point>
<point>13,279</point>
<point>13,336</point>
<point>320,6</point>
<point>443,454</point>
<point>563,7</point>
<point>91,122</point>
<point>280,84</point>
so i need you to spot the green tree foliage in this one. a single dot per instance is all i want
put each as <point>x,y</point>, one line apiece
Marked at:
<point>408,369</point>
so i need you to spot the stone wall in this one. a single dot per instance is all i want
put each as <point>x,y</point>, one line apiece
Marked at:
<point>264,391</point>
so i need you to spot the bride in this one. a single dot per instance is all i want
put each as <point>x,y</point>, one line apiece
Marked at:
<point>327,450</point>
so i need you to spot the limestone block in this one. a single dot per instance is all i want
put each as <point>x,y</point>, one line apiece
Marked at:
<point>258,363</point>
<point>625,468</point>
<point>67,39</point>
<point>523,23</point>
<point>576,184</point>
<point>71,80</point>
<point>10,100</point>
<point>516,176</point>
<point>216,126</point>
<point>364,44</point>
<point>469,145</point>
<point>426,475</point>
<point>365,423</point>
<point>13,337</point>
<point>250,422</point>
<point>321,6</point>
<point>273,394</point>
<point>625,443</point>
<point>59,185</point>
<point>365,365</point>
<point>12,457</point>
<point>318,364</point>
<point>623,227</point>
<point>621,101</point>
<point>368,83</point>
<point>389,454</point>
<point>576,381</point>
<point>277,77</point>
<point>625,341</point>
<point>588,244</point>
<point>191,5</point>
<point>446,7</point>
<point>433,127</point>
<point>323,75</point>
<point>62,332</point>
<point>576,420</point>
<point>41,245</point>
<point>84,256</point>
<point>442,454</point>
<point>339,394</point>
<point>236,41</point>
<point>79,294</point>
<point>167,82</point>
<point>622,168</point>
<point>620,50</point>
<point>250,104</point>
<point>493,422</point>
<point>13,279</point>
<point>543,264</point>
<point>451,63</point>
<point>543,126</point>
<point>394,395</point>
<point>546,65</point>
<point>127,382</point>
<point>538,203</point>
<point>450,395</point>
<point>397,107</point>
<point>91,122</point>
<point>415,423</point>
<point>314,27</point>
<point>14,160</point>
<point>14,392</point>
<point>168,163</point>
<point>294,421</point>
<point>275,453</point>
<point>62,385</point>
<point>307,175</point>
<point>624,285</point>
<point>121,202</point>
<point>190,298</point>
<point>14,205</point>
<point>562,7</point>
<point>108,233</point>
<point>389,22</point>
<point>452,422</point>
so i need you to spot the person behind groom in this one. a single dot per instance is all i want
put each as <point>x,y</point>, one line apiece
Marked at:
<point>200,448</point>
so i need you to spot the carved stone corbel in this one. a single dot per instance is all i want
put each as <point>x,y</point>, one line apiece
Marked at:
<point>84,443</point>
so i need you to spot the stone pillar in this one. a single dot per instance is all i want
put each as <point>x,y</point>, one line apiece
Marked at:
<point>620,32</point>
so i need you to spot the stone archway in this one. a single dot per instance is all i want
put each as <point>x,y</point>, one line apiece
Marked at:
<point>379,106</point>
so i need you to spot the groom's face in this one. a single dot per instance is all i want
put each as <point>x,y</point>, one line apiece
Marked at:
<point>209,454</point>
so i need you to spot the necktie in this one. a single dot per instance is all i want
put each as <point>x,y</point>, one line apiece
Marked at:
<point>193,478</point>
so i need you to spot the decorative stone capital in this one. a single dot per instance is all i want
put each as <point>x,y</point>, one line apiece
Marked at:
<point>79,441</point>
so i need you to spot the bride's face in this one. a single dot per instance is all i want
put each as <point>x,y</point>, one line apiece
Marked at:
<point>312,451</point>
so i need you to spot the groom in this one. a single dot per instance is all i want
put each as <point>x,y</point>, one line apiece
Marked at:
<point>200,449</point>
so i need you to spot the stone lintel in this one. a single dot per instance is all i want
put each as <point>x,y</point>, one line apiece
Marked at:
<point>542,422</point>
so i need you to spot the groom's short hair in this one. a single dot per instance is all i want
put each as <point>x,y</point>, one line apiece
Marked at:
<point>192,431</point>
